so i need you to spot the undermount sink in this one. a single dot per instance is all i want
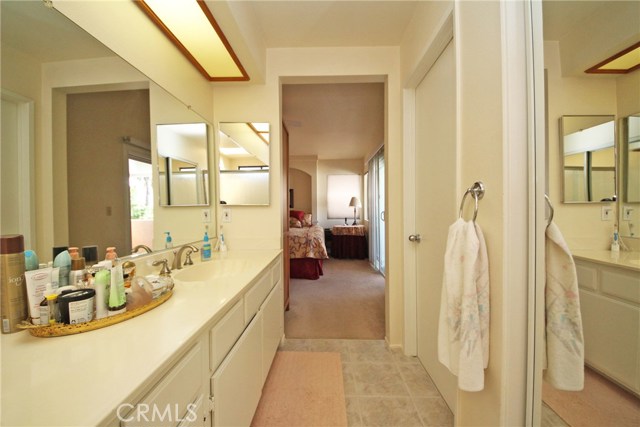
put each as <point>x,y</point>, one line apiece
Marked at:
<point>210,270</point>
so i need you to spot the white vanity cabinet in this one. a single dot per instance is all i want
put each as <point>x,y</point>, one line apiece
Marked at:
<point>237,382</point>
<point>610,306</point>
<point>219,380</point>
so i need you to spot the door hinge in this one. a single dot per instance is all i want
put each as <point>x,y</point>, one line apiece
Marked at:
<point>212,405</point>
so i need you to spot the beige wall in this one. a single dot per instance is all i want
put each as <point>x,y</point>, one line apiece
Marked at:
<point>96,123</point>
<point>308,165</point>
<point>300,183</point>
<point>262,103</point>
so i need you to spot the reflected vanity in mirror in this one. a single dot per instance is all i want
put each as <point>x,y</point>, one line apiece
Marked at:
<point>244,163</point>
<point>630,160</point>
<point>588,159</point>
<point>183,171</point>
<point>95,140</point>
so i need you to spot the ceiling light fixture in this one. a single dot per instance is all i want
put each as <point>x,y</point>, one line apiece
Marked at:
<point>623,62</point>
<point>190,25</point>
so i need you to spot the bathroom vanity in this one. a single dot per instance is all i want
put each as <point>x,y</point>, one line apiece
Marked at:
<point>610,304</point>
<point>201,358</point>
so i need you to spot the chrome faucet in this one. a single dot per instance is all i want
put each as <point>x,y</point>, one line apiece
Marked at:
<point>177,256</point>
<point>136,248</point>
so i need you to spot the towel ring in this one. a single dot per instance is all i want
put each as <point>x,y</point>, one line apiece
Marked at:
<point>546,198</point>
<point>477,191</point>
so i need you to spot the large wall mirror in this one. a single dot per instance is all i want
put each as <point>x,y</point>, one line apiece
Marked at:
<point>90,120</point>
<point>588,158</point>
<point>630,153</point>
<point>244,163</point>
<point>183,164</point>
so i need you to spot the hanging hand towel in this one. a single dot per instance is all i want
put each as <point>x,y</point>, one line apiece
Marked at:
<point>463,329</point>
<point>563,331</point>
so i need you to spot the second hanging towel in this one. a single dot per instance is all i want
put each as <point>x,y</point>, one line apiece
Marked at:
<point>463,329</point>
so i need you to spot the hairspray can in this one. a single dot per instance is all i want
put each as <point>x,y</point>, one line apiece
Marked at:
<point>13,292</point>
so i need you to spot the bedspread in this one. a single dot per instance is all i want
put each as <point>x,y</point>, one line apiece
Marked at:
<point>307,242</point>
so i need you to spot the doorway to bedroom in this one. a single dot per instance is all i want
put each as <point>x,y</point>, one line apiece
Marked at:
<point>336,209</point>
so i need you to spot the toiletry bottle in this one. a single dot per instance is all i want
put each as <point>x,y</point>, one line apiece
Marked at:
<point>48,307</point>
<point>117,296</point>
<point>63,260</point>
<point>205,251</point>
<point>168,243</point>
<point>222,246</point>
<point>74,252</point>
<point>101,285</point>
<point>111,255</point>
<point>615,244</point>
<point>13,291</point>
<point>78,272</point>
<point>31,260</point>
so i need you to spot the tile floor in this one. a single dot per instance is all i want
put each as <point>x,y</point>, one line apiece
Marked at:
<point>382,387</point>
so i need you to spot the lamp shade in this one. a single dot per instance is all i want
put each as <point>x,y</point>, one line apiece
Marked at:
<point>355,203</point>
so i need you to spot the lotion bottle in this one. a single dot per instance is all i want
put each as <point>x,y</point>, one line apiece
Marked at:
<point>205,251</point>
<point>168,242</point>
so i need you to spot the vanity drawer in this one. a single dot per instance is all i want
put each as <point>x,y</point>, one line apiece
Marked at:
<point>225,334</point>
<point>256,296</point>
<point>276,272</point>
<point>587,277</point>
<point>621,284</point>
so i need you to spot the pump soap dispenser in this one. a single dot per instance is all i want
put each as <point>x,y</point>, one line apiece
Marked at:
<point>168,244</point>
<point>205,252</point>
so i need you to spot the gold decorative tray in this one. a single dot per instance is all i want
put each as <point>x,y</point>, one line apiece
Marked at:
<point>60,329</point>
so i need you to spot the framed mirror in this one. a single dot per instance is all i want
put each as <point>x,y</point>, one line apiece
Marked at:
<point>183,164</point>
<point>244,163</point>
<point>629,225</point>
<point>588,159</point>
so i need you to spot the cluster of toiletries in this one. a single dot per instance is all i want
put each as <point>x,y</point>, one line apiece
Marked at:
<point>66,291</point>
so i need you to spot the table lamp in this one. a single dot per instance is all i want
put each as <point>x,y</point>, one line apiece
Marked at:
<point>355,203</point>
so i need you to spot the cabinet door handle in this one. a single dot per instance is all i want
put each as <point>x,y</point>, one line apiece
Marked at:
<point>415,238</point>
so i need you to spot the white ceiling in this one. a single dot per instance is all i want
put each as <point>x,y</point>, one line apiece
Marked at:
<point>334,121</point>
<point>332,23</point>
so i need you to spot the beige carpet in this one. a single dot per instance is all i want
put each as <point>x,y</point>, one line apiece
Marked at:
<point>600,404</point>
<point>303,389</point>
<point>346,303</point>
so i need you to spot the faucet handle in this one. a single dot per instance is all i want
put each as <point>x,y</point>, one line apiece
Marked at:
<point>188,261</point>
<point>165,267</point>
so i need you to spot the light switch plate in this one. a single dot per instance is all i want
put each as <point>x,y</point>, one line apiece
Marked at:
<point>226,215</point>
<point>206,215</point>
<point>607,213</point>
<point>626,213</point>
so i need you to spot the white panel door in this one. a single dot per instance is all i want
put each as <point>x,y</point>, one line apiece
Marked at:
<point>436,195</point>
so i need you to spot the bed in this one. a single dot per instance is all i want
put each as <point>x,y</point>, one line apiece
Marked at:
<point>306,249</point>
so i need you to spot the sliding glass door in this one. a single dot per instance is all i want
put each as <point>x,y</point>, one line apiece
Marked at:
<point>376,203</point>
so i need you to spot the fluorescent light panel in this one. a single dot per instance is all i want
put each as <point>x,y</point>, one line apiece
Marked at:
<point>191,27</point>
<point>623,62</point>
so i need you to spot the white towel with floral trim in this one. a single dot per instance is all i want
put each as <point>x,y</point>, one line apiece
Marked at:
<point>463,329</point>
<point>563,330</point>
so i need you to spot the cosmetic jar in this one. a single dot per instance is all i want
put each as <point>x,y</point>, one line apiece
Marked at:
<point>77,306</point>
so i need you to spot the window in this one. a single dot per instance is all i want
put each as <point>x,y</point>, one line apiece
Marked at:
<point>340,190</point>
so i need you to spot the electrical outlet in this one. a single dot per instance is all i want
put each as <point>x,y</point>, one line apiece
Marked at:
<point>206,215</point>
<point>607,213</point>
<point>626,213</point>
<point>226,215</point>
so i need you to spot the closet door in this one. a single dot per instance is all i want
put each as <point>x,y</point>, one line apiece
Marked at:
<point>435,207</point>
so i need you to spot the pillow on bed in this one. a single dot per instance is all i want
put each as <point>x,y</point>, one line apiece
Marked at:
<point>299,215</point>
<point>294,223</point>
<point>306,221</point>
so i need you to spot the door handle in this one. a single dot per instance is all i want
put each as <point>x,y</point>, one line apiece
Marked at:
<point>415,238</point>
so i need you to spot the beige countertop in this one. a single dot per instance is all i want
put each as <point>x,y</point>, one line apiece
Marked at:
<point>81,379</point>
<point>626,259</point>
